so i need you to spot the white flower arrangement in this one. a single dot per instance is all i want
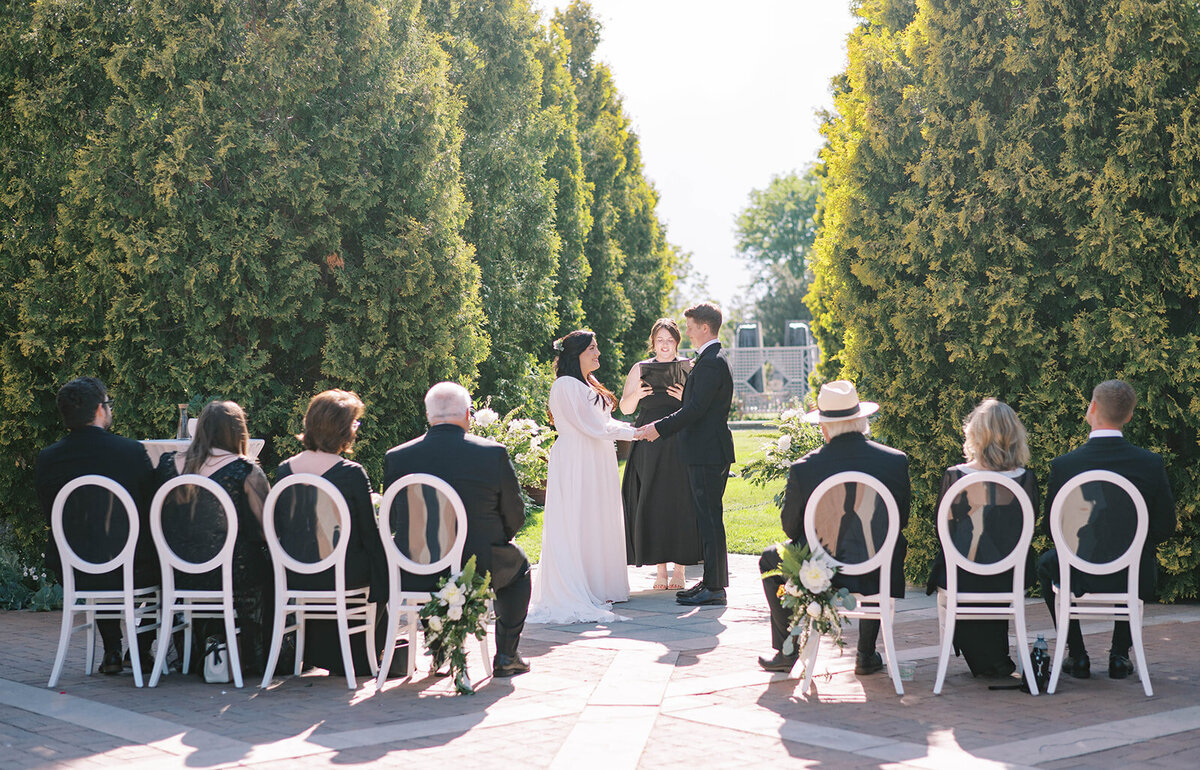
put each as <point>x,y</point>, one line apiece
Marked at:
<point>808,593</point>
<point>528,443</point>
<point>458,609</point>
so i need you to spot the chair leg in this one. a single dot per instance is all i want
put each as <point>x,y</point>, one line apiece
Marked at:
<point>951,618</point>
<point>487,657</point>
<point>301,628</point>
<point>1022,644</point>
<point>276,644</point>
<point>1060,643</point>
<point>1135,626</point>
<point>188,631</point>
<point>131,638</point>
<point>810,661</point>
<point>889,646</point>
<point>89,662</point>
<point>344,639</point>
<point>231,643</point>
<point>164,641</point>
<point>389,646</point>
<point>412,622</point>
<point>369,640</point>
<point>64,641</point>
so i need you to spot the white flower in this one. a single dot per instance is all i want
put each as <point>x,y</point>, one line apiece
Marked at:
<point>455,611</point>
<point>784,443</point>
<point>452,594</point>
<point>814,610</point>
<point>485,417</point>
<point>788,414</point>
<point>792,589</point>
<point>526,426</point>
<point>815,575</point>
<point>435,624</point>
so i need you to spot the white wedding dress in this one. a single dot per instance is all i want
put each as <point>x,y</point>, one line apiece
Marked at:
<point>582,569</point>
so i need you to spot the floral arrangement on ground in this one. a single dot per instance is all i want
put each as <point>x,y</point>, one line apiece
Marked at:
<point>808,593</point>
<point>457,610</point>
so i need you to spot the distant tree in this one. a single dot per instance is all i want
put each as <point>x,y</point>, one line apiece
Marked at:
<point>775,234</point>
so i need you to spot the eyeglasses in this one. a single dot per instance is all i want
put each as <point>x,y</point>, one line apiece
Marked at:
<point>107,402</point>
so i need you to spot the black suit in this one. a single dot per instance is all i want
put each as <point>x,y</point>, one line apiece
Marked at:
<point>1148,473</point>
<point>706,446</point>
<point>95,450</point>
<point>482,474</point>
<point>847,452</point>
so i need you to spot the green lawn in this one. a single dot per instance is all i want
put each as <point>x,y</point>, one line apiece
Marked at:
<point>751,518</point>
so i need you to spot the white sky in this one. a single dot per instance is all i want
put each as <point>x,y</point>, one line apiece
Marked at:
<point>723,94</point>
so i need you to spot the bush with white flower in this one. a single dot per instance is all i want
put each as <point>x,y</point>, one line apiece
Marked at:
<point>528,443</point>
<point>24,586</point>
<point>457,610</point>
<point>808,594</point>
<point>796,439</point>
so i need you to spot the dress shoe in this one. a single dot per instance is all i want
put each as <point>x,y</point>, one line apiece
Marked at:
<point>778,662</point>
<point>1119,666</point>
<point>691,591</point>
<point>1078,666</point>
<point>504,666</point>
<point>867,664</point>
<point>704,597</point>
<point>111,663</point>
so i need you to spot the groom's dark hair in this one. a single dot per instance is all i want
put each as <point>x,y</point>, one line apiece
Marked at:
<point>706,313</point>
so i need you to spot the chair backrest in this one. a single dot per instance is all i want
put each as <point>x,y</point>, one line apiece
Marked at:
<point>325,518</point>
<point>1089,523</point>
<point>842,519</point>
<point>416,508</point>
<point>193,502</point>
<point>71,560</point>
<point>977,526</point>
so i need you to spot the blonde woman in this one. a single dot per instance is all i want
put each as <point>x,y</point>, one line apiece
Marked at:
<point>986,527</point>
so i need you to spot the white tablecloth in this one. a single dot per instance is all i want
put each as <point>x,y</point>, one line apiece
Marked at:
<point>157,447</point>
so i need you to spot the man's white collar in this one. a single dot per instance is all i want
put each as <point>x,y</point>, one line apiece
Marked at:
<point>1104,433</point>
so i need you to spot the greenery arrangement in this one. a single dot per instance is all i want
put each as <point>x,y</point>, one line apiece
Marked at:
<point>528,443</point>
<point>25,587</point>
<point>458,610</point>
<point>808,593</point>
<point>796,439</point>
<point>1011,211</point>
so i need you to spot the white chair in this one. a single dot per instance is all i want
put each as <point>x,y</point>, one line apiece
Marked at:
<point>338,604</point>
<point>195,603</point>
<point>1121,605</point>
<point>408,603</point>
<point>879,606</point>
<point>984,605</point>
<point>129,604</point>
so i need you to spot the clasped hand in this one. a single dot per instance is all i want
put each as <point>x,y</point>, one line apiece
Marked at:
<point>646,433</point>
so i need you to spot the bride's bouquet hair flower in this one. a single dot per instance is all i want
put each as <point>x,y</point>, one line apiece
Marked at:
<point>809,596</point>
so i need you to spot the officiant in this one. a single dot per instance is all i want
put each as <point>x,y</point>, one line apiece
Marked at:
<point>660,518</point>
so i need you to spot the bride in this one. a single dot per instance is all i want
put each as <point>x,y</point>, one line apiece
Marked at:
<point>582,569</point>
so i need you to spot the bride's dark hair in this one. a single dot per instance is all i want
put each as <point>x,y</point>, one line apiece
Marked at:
<point>566,364</point>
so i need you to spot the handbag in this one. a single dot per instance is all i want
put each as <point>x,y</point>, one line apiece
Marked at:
<point>216,661</point>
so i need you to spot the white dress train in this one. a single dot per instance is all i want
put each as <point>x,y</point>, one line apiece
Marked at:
<point>582,568</point>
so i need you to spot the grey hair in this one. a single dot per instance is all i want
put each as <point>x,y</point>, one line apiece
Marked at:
<point>838,427</point>
<point>446,401</point>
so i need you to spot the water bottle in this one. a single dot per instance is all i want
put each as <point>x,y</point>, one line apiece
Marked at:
<point>1040,658</point>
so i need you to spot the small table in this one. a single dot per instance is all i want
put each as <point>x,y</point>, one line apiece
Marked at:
<point>157,447</point>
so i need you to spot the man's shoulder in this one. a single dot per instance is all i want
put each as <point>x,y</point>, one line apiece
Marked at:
<point>1101,452</point>
<point>409,445</point>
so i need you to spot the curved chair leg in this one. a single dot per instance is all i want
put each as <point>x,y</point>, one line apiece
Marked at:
<point>231,643</point>
<point>164,641</point>
<point>885,627</point>
<point>343,625</point>
<point>1022,644</point>
<point>810,661</point>
<point>1060,643</point>
<point>276,643</point>
<point>389,645</point>
<point>1135,626</point>
<point>64,641</point>
<point>947,644</point>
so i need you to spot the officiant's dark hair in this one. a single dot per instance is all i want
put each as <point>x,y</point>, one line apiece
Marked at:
<point>567,365</point>
<point>671,327</point>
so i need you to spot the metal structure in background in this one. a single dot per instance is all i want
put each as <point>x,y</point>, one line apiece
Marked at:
<point>768,379</point>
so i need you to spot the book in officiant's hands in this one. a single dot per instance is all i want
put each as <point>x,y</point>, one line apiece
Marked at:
<point>660,375</point>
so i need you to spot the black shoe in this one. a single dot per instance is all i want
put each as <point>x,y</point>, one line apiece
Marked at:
<point>704,597</point>
<point>1119,666</point>
<point>690,591</point>
<point>111,663</point>
<point>504,666</point>
<point>867,664</point>
<point>1078,666</point>
<point>779,662</point>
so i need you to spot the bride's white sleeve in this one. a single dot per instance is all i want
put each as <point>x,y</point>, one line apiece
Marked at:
<point>571,403</point>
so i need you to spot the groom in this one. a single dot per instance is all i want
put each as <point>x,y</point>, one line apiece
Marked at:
<point>706,445</point>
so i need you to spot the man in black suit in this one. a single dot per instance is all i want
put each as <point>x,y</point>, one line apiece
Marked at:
<point>89,447</point>
<point>706,445</point>
<point>843,421</point>
<point>1111,521</point>
<point>482,474</point>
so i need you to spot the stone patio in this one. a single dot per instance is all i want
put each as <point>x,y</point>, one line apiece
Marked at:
<point>671,686</point>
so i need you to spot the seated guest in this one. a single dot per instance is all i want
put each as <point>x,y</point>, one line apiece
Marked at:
<point>1106,449</point>
<point>986,530</point>
<point>219,451</point>
<point>843,421</point>
<point>89,447</point>
<point>482,474</point>
<point>330,427</point>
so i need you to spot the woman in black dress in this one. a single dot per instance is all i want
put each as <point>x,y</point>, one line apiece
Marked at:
<point>330,426</point>
<point>986,530</point>
<point>220,451</point>
<point>660,520</point>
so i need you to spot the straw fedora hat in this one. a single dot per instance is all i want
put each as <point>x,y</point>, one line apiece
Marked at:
<point>837,401</point>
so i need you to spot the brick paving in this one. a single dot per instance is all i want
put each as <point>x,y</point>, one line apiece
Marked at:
<point>670,685</point>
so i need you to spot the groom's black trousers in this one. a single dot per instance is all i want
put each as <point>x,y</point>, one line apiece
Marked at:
<point>708,487</point>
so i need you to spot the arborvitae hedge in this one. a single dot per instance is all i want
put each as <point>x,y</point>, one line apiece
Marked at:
<point>1012,211</point>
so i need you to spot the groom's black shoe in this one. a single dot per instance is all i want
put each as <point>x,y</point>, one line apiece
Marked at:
<point>779,662</point>
<point>705,596</point>
<point>691,591</point>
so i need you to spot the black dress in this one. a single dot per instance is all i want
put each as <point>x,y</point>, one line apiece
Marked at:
<point>660,518</point>
<point>188,527</point>
<point>984,643</point>
<point>366,563</point>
